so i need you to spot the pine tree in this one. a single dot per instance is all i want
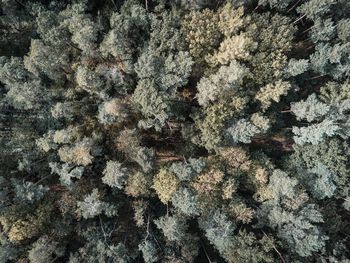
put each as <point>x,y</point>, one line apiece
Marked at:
<point>114,175</point>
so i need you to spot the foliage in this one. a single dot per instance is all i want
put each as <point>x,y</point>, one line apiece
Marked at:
<point>92,206</point>
<point>242,131</point>
<point>165,184</point>
<point>272,93</point>
<point>173,227</point>
<point>185,200</point>
<point>225,82</point>
<point>174,131</point>
<point>114,175</point>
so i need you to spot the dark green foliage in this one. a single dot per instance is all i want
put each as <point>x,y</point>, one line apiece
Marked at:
<point>174,131</point>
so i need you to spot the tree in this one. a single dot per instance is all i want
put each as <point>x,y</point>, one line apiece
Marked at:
<point>149,251</point>
<point>242,131</point>
<point>92,206</point>
<point>272,93</point>
<point>297,67</point>
<point>66,172</point>
<point>201,42</point>
<point>173,227</point>
<point>28,192</point>
<point>226,81</point>
<point>44,250</point>
<point>114,175</point>
<point>185,171</point>
<point>186,201</point>
<point>79,153</point>
<point>294,220</point>
<point>218,229</point>
<point>311,109</point>
<point>315,8</point>
<point>165,184</point>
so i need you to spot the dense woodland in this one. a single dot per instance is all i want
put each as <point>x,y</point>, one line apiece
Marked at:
<point>174,131</point>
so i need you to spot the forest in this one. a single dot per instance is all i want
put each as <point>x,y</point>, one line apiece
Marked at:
<point>174,131</point>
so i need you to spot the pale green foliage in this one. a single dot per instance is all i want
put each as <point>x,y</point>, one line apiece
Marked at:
<point>8,251</point>
<point>343,28</point>
<point>302,234</point>
<point>218,229</point>
<point>113,111</point>
<point>89,80</point>
<point>272,93</point>
<point>139,107</point>
<point>149,251</point>
<point>173,227</point>
<point>194,4</point>
<point>24,90</point>
<point>282,186</point>
<point>151,103</point>
<point>12,70</point>
<point>84,31</point>
<point>226,82</point>
<point>46,60</point>
<point>169,72</point>
<point>331,60</point>
<point>294,221</point>
<point>46,143</point>
<point>98,251</point>
<point>311,109</point>
<point>262,122</point>
<point>322,185</point>
<point>92,206</point>
<point>114,175</point>
<point>242,131</point>
<point>235,248</point>
<point>185,171</point>
<point>28,192</point>
<point>44,250</point>
<point>159,76</point>
<point>277,27</point>
<point>279,4</point>
<point>144,157</point>
<point>296,67</point>
<point>215,119</point>
<point>50,28</point>
<point>66,135</point>
<point>25,95</point>
<point>165,184</point>
<point>334,154</point>
<point>165,36</point>
<point>66,172</point>
<point>315,8</point>
<point>62,110</point>
<point>186,201</point>
<point>269,60</point>
<point>333,113</point>
<point>323,30</point>
<point>335,93</point>
<point>127,27</point>
<point>236,45</point>
<point>315,133</point>
<point>346,203</point>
